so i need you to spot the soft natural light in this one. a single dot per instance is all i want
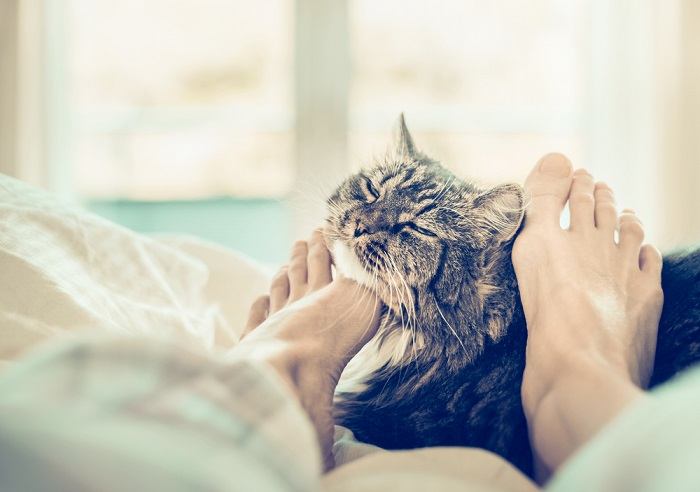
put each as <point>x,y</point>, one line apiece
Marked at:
<point>486,109</point>
<point>181,99</point>
<point>160,114</point>
<point>189,106</point>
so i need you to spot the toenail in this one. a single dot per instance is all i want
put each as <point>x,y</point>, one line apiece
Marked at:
<point>582,172</point>
<point>555,165</point>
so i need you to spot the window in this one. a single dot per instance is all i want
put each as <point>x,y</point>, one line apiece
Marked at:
<point>484,108</point>
<point>232,119</point>
<point>192,99</point>
<point>180,99</point>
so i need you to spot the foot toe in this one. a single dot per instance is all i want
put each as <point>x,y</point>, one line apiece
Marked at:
<point>258,314</point>
<point>605,210</point>
<point>279,290</point>
<point>650,260</point>
<point>319,262</point>
<point>581,201</point>
<point>547,188</point>
<point>298,271</point>
<point>631,231</point>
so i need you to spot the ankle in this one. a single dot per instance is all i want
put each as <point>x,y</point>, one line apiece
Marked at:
<point>566,413</point>
<point>564,372</point>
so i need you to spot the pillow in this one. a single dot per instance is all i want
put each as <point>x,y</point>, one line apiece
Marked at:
<point>63,270</point>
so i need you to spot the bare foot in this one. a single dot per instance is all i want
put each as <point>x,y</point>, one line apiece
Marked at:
<point>592,304</point>
<point>308,328</point>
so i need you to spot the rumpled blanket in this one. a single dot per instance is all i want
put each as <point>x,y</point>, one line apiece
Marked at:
<point>67,271</point>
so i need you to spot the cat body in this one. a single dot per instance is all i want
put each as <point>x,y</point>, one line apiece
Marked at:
<point>446,365</point>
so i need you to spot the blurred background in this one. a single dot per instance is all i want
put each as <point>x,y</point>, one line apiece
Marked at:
<point>232,120</point>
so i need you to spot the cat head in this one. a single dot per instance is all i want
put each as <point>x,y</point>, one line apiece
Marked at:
<point>419,236</point>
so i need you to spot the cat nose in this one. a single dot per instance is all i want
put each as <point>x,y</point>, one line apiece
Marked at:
<point>360,230</point>
<point>371,227</point>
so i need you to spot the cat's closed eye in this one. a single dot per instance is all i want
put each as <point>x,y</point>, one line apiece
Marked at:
<point>411,225</point>
<point>421,230</point>
<point>371,189</point>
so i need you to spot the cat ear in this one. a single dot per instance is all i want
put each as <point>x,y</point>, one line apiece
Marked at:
<point>500,211</point>
<point>403,142</point>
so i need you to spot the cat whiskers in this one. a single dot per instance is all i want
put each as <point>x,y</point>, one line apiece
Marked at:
<point>309,195</point>
<point>445,188</point>
<point>466,353</point>
<point>404,295</point>
<point>376,260</point>
<point>411,307</point>
<point>334,206</point>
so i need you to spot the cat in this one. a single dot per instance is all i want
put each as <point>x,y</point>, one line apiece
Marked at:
<point>446,365</point>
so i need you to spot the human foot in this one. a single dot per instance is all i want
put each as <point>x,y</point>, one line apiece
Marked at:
<point>308,328</point>
<point>592,304</point>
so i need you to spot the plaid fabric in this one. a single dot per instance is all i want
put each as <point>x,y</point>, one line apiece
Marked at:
<point>137,415</point>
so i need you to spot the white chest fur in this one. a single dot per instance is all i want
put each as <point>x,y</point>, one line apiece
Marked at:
<point>391,346</point>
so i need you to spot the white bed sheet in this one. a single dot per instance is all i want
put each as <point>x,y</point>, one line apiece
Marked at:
<point>63,270</point>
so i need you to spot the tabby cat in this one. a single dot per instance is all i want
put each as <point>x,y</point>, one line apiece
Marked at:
<point>446,366</point>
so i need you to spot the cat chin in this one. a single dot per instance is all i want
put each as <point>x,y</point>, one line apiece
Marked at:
<point>348,264</point>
